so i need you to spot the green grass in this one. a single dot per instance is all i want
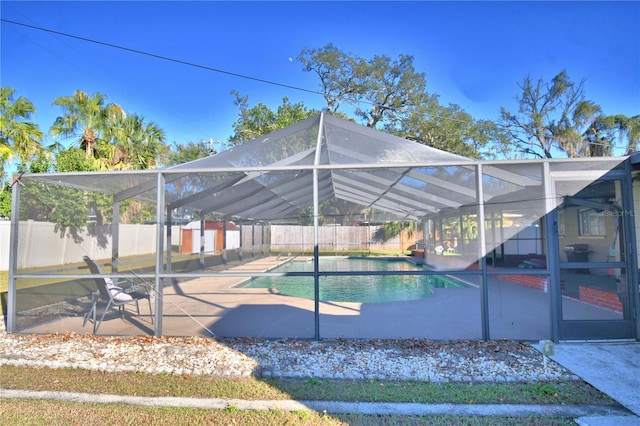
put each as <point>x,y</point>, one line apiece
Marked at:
<point>4,281</point>
<point>78,380</point>
<point>136,264</point>
<point>41,412</point>
<point>46,413</point>
<point>432,393</point>
<point>33,412</point>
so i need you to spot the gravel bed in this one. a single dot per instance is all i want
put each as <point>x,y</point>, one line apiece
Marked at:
<point>454,361</point>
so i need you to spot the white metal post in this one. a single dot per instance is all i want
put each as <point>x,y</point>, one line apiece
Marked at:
<point>13,257</point>
<point>160,222</point>
<point>316,235</point>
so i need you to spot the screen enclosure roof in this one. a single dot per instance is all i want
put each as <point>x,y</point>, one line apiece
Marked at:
<point>272,177</point>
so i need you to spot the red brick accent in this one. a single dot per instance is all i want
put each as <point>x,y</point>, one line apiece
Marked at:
<point>532,281</point>
<point>603,298</point>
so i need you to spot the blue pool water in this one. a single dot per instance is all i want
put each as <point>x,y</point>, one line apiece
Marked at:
<point>361,288</point>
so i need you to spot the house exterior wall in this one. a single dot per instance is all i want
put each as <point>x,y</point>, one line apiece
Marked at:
<point>598,245</point>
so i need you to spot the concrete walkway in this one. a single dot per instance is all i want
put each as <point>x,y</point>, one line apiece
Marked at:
<point>612,368</point>
<point>336,407</point>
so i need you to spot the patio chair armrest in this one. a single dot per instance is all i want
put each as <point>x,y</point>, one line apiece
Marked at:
<point>141,287</point>
<point>124,282</point>
<point>139,291</point>
<point>130,286</point>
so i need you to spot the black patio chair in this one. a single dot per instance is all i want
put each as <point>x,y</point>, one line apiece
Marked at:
<point>116,294</point>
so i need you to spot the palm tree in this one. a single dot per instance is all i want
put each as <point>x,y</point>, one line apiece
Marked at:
<point>392,229</point>
<point>603,131</point>
<point>135,144</point>
<point>86,117</point>
<point>19,137</point>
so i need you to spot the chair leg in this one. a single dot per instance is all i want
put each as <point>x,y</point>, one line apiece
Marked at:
<point>90,315</point>
<point>137,307</point>
<point>121,309</point>
<point>96,325</point>
<point>150,311</point>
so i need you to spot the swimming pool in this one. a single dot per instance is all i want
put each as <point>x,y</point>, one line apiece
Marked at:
<point>360,288</point>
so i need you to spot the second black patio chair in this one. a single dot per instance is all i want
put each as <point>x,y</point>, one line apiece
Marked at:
<point>114,294</point>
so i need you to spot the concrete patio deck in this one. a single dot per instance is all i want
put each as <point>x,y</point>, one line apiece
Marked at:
<point>213,306</point>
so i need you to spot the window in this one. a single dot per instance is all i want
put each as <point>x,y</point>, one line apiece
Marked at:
<point>591,222</point>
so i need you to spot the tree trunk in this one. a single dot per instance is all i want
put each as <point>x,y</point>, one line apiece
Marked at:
<point>89,139</point>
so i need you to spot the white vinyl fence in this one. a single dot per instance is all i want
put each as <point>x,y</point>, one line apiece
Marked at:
<point>5,227</point>
<point>40,245</point>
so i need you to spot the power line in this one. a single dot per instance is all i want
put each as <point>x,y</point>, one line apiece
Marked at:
<point>208,68</point>
<point>164,58</point>
<point>205,67</point>
<point>192,64</point>
<point>174,113</point>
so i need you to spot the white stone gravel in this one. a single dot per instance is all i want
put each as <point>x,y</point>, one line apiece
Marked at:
<point>456,361</point>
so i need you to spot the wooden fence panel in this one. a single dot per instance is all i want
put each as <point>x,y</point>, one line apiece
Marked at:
<point>293,238</point>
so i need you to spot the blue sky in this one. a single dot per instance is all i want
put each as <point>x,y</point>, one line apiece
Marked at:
<point>474,54</point>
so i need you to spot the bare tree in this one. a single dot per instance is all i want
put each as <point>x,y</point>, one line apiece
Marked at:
<point>545,118</point>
